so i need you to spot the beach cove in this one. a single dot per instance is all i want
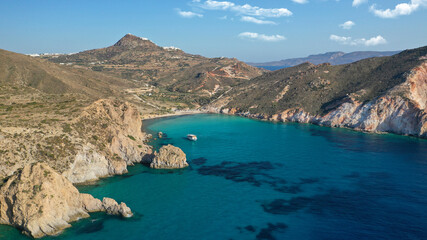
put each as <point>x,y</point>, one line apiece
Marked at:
<point>252,179</point>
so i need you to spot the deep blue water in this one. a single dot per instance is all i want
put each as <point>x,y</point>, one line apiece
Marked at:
<point>258,180</point>
<point>272,68</point>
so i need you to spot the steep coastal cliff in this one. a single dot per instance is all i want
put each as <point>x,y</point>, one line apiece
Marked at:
<point>114,132</point>
<point>399,107</point>
<point>39,198</point>
<point>100,141</point>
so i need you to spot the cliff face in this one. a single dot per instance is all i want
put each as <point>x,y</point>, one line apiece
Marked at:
<point>401,110</point>
<point>41,202</point>
<point>102,139</point>
<point>115,128</point>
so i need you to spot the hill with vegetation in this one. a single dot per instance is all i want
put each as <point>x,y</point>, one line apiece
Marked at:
<point>314,93</point>
<point>139,59</point>
<point>317,87</point>
<point>80,115</point>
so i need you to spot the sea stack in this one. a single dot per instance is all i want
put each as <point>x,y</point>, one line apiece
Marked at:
<point>169,157</point>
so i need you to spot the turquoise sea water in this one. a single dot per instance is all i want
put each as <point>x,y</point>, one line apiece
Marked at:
<point>258,180</point>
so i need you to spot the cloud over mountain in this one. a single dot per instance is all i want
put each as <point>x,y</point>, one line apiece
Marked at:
<point>361,41</point>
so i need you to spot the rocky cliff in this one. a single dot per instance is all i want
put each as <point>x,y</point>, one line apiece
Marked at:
<point>114,131</point>
<point>101,140</point>
<point>40,202</point>
<point>400,109</point>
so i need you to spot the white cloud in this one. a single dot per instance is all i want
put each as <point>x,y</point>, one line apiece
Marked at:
<point>245,9</point>
<point>356,3</point>
<point>262,37</point>
<point>300,1</point>
<point>399,10</point>
<point>188,14</point>
<point>342,40</point>
<point>347,25</point>
<point>256,20</point>
<point>216,5</point>
<point>361,41</point>
<point>375,41</point>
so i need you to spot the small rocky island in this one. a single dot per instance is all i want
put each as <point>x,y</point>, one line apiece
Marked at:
<point>40,202</point>
<point>169,157</point>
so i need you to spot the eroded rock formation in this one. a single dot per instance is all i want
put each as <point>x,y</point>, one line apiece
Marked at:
<point>117,128</point>
<point>169,157</point>
<point>40,202</point>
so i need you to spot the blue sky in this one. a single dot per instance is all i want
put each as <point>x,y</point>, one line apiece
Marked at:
<point>250,30</point>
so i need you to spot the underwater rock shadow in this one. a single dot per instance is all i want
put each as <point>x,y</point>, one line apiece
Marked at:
<point>266,233</point>
<point>92,226</point>
<point>369,207</point>
<point>256,174</point>
<point>199,161</point>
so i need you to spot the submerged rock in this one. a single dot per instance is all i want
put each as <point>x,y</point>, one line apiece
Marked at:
<point>40,202</point>
<point>169,157</point>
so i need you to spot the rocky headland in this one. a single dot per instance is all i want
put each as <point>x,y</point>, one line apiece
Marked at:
<point>40,202</point>
<point>37,194</point>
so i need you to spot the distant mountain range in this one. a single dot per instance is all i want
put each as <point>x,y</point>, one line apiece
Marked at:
<point>334,58</point>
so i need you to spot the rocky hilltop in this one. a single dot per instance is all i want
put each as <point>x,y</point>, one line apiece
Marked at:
<point>375,95</point>
<point>41,202</point>
<point>137,58</point>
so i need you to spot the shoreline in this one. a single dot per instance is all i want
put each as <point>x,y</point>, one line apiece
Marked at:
<point>176,113</point>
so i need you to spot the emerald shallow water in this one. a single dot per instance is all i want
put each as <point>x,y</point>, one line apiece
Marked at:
<point>258,180</point>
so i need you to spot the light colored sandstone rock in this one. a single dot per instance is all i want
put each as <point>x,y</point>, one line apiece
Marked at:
<point>42,202</point>
<point>169,157</point>
<point>123,137</point>
<point>88,165</point>
<point>113,208</point>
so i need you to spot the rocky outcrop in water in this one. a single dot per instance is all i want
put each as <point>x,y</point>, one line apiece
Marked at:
<point>113,208</point>
<point>40,202</point>
<point>169,157</point>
